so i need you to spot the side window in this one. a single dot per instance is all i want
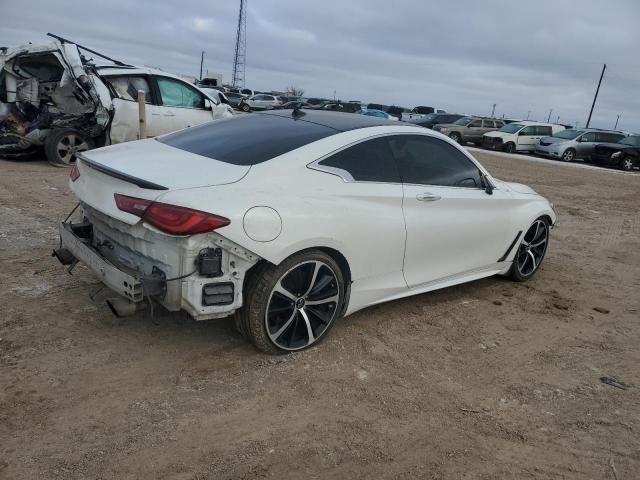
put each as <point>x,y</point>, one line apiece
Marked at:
<point>589,137</point>
<point>545,131</point>
<point>369,161</point>
<point>177,94</point>
<point>127,88</point>
<point>499,124</point>
<point>488,124</point>
<point>425,160</point>
<point>609,137</point>
<point>530,130</point>
<point>475,124</point>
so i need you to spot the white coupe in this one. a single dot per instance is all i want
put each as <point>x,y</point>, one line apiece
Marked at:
<point>292,219</point>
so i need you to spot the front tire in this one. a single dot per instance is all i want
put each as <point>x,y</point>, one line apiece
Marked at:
<point>456,137</point>
<point>245,108</point>
<point>61,146</point>
<point>627,164</point>
<point>531,251</point>
<point>292,306</point>
<point>569,155</point>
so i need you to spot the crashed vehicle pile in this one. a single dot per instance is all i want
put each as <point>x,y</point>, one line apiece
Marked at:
<point>52,96</point>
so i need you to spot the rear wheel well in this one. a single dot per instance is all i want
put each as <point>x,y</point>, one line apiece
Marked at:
<point>335,254</point>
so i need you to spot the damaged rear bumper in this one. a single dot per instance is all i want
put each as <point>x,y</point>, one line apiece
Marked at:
<point>120,282</point>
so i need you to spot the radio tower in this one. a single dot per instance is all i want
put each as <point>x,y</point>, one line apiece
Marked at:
<point>241,47</point>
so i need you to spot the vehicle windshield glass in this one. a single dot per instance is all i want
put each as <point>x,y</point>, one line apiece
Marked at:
<point>635,141</point>
<point>463,121</point>
<point>568,134</point>
<point>511,128</point>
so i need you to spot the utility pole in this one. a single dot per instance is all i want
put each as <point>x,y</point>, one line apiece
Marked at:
<point>237,79</point>
<point>528,114</point>
<point>549,116</point>
<point>558,119</point>
<point>201,62</point>
<point>493,111</point>
<point>604,67</point>
<point>617,119</point>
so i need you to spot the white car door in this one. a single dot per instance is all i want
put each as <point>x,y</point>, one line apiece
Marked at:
<point>528,138</point>
<point>125,122</point>
<point>454,227</point>
<point>184,104</point>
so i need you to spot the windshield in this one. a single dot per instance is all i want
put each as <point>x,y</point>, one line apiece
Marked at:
<point>463,121</point>
<point>511,128</point>
<point>635,141</point>
<point>568,134</point>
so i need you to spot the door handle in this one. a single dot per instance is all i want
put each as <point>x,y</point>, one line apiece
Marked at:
<point>427,197</point>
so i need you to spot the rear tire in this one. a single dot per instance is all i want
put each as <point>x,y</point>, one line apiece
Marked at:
<point>292,306</point>
<point>569,155</point>
<point>61,146</point>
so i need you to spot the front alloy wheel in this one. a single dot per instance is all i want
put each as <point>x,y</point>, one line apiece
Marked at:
<point>531,251</point>
<point>627,164</point>
<point>293,305</point>
<point>569,155</point>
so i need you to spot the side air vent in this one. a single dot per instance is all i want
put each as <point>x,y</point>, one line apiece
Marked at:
<point>217,294</point>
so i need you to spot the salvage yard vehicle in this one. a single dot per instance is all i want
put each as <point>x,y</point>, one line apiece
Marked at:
<point>469,129</point>
<point>292,219</point>
<point>567,145</point>
<point>261,101</point>
<point>522,136</point>
<point>433,119</point>
<point>52,96</point>
<point>625,154</point>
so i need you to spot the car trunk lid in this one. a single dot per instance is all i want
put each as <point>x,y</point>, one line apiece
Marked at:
<point>145,169</point>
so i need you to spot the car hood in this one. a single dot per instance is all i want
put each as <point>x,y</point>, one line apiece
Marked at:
<point>498,134</point>
<point>516,187</point>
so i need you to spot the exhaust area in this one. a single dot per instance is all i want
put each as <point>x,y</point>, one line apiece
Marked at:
<point>121,307</point>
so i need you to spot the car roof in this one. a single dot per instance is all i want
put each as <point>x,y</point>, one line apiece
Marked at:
<point>342,122</point>
<point>108,70</point>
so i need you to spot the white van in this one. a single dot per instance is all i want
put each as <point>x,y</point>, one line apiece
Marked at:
<point>519,136</point>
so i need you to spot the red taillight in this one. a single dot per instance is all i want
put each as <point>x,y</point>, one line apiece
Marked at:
<point>135,206</point>
<point>74,173</point>
<point>171,218</point>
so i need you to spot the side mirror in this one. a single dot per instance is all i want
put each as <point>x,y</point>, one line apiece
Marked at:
<point>207,104</point>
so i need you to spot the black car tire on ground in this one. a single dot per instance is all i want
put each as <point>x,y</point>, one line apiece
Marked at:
<point>510,147</point>
<point>261,286</point>
<point>531,251</point>
<point>455,137</point>
<point>569,155</point>
<point>627,163</point>
<point>245,107</point>
<point>61,146</point>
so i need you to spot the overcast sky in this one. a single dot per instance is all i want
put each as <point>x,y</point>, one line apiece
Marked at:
<point>461,55</point>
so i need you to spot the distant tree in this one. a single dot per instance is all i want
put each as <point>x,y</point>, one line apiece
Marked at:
<point>295,91</point>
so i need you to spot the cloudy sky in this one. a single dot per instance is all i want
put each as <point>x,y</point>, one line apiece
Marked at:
<point>462,56</point>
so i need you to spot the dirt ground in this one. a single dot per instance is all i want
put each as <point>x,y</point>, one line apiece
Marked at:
<point>489,380</point>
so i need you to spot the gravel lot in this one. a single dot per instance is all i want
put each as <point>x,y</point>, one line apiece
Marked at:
<point>489,380</point>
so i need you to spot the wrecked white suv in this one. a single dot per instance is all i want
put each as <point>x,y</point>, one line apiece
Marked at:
<point>52,96</point>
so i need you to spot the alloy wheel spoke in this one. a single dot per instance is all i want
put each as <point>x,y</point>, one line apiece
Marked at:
<point>314,277</point>
<point>332,299</point>
<point>533,259</point>
<point>284,292</point>
<point>310,335</point>
<point>286,325</point>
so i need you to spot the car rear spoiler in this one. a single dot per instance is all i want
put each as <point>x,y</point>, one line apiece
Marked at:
<point>120,175</point>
